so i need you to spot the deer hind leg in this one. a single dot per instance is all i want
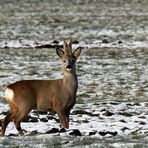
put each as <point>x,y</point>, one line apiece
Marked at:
<point>18,118</point>
<point>8,119</point>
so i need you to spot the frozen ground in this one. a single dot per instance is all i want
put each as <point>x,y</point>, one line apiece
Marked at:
<point>87,21</point>
<point>91,119</point>
<point>111,101</point>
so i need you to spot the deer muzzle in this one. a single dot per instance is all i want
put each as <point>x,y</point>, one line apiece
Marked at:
<point>69,68</point>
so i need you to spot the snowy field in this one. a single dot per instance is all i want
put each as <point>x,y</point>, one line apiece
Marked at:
<point>112,100</point>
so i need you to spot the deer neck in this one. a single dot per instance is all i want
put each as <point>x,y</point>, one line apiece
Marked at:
<point>71,83</point>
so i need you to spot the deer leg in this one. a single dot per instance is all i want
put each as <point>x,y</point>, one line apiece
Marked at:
<point>8,119</point>
<point>18,127</point>
<point>67,118</point>
<point>64,118</point>
<point>18,119</point>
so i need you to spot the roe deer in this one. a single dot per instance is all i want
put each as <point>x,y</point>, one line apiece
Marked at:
<point>59,95</point>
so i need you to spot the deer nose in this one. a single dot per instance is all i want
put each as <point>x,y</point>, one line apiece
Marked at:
<point>69,67</point>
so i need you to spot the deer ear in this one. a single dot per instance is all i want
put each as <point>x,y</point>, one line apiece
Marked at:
<point>60,52</point>
<point>77,52</point>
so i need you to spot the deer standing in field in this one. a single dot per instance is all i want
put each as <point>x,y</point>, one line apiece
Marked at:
<point>59,95</point>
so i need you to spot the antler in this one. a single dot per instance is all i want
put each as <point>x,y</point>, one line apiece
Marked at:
<point>68,47</point>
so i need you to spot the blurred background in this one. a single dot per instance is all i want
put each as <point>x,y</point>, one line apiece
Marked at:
<point>83,20</point>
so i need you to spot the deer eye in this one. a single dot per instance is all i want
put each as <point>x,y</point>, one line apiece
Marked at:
<point>64,61</point>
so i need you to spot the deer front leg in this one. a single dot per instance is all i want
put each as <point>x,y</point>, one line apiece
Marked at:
<point>64,118</point>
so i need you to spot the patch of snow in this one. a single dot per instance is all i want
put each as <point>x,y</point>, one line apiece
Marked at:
<point>86,123</point>
<point>94,44</point>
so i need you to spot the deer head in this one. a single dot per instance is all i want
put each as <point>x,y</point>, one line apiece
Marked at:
<point>68,57</point>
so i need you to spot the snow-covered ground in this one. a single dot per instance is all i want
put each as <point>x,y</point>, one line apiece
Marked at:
<point>111,108</point>
<point>112,95</point>
<point>86,44</point>
<point>118,118</point>
<point>96,121</point>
